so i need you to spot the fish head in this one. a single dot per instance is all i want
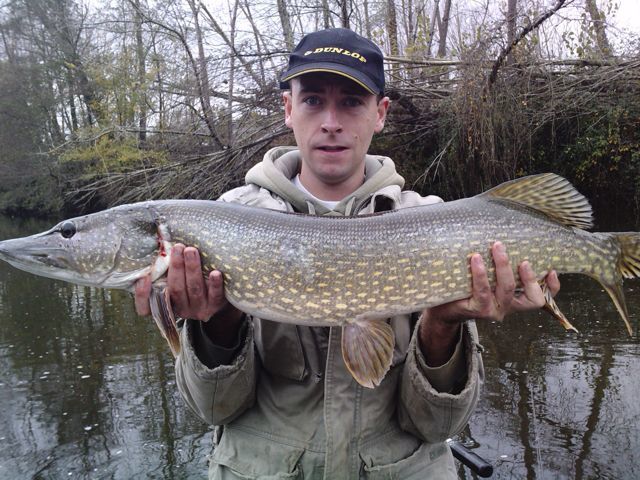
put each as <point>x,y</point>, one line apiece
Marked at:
<point>109,249</point>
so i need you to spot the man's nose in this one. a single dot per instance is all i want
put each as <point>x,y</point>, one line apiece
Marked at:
<point>331,120</point>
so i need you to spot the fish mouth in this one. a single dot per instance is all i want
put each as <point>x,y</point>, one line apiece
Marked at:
<point>20,254</point>
<point>49,262</point>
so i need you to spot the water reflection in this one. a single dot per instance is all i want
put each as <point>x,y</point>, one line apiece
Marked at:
<point>557,405</point>
<point>88,388</point>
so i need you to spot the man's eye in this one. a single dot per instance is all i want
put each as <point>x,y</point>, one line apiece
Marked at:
<point>312,101</point>
<point>353,102</point>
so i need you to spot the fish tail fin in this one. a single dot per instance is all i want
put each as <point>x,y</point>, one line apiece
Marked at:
<point>367,349</point>
<point>628,267</point>
<point>551,307</point>
<point>629,262</point>
<point>163,315</point>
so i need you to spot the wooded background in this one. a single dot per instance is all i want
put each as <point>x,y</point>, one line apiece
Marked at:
<point>105,102</point>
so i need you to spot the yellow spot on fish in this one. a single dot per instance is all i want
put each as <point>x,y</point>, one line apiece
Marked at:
<point>312,305</point>
<point>341,306</point>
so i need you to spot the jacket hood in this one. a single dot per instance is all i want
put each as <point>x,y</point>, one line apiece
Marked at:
<point>281,164</point>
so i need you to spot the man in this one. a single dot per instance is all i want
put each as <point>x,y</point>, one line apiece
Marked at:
<point>286,404</point>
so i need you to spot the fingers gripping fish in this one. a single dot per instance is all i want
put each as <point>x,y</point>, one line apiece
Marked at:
<point>351,273</point>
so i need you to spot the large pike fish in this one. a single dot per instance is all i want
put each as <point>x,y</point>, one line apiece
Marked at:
<point>350,272</point>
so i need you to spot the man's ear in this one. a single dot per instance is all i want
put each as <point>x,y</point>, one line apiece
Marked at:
<point>288,105</point>
<point>383,108</point>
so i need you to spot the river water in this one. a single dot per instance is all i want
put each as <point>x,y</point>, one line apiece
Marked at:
<point>87,388</point>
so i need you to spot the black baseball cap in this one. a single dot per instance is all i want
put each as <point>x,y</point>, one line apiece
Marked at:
<point>340,51</point>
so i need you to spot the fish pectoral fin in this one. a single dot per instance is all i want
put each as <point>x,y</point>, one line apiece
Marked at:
<point>367,350</point>
<point>162,314</point>
<point>551,307</point>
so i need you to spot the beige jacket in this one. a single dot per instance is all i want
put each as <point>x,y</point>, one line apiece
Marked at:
<point>288,406</point>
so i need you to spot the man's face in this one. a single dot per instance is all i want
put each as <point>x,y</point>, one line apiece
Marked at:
<point>333,120</point>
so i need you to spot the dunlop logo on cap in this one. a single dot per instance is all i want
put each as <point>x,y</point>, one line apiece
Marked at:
<point>337,50</point>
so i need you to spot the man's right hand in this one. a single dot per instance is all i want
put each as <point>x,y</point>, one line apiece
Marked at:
<point>193,296</point>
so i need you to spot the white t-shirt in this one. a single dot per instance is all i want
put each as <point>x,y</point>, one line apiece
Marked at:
<point>330,204</point>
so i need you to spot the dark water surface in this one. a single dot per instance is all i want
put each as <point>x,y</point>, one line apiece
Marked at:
<point>88,389</point>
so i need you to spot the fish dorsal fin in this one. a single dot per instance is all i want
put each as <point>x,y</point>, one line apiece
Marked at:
<point>550,194</point>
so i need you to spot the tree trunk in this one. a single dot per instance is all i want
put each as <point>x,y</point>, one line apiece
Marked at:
<point>512,15</point>
<point>160,87</point>
<point>142,76</point>
<point>432,25</point>
<point>203,73</point>
<point>443,29</point>
<point>258,39</point>
<point>392,28</point>
<point>326,14</point>
<point>344,13</point>
<point>232,73</point>
<point>598,20</point>
<point>285,21</point>
<point>367,20</point>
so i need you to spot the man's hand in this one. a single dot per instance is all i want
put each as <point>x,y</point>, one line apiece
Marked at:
<point>194,296</point>
<point>440,325</point>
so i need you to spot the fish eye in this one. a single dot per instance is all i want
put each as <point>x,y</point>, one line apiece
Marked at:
<point>67,229</point>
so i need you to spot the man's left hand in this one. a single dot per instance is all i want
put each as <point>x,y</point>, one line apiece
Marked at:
<point>440,328</point>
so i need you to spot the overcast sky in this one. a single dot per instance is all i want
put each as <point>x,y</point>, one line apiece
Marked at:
<point>628,15</point>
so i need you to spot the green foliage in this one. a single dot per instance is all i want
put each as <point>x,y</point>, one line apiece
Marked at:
<point>37,196</point>
<point>109,155</point>
<point>606,155</point>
